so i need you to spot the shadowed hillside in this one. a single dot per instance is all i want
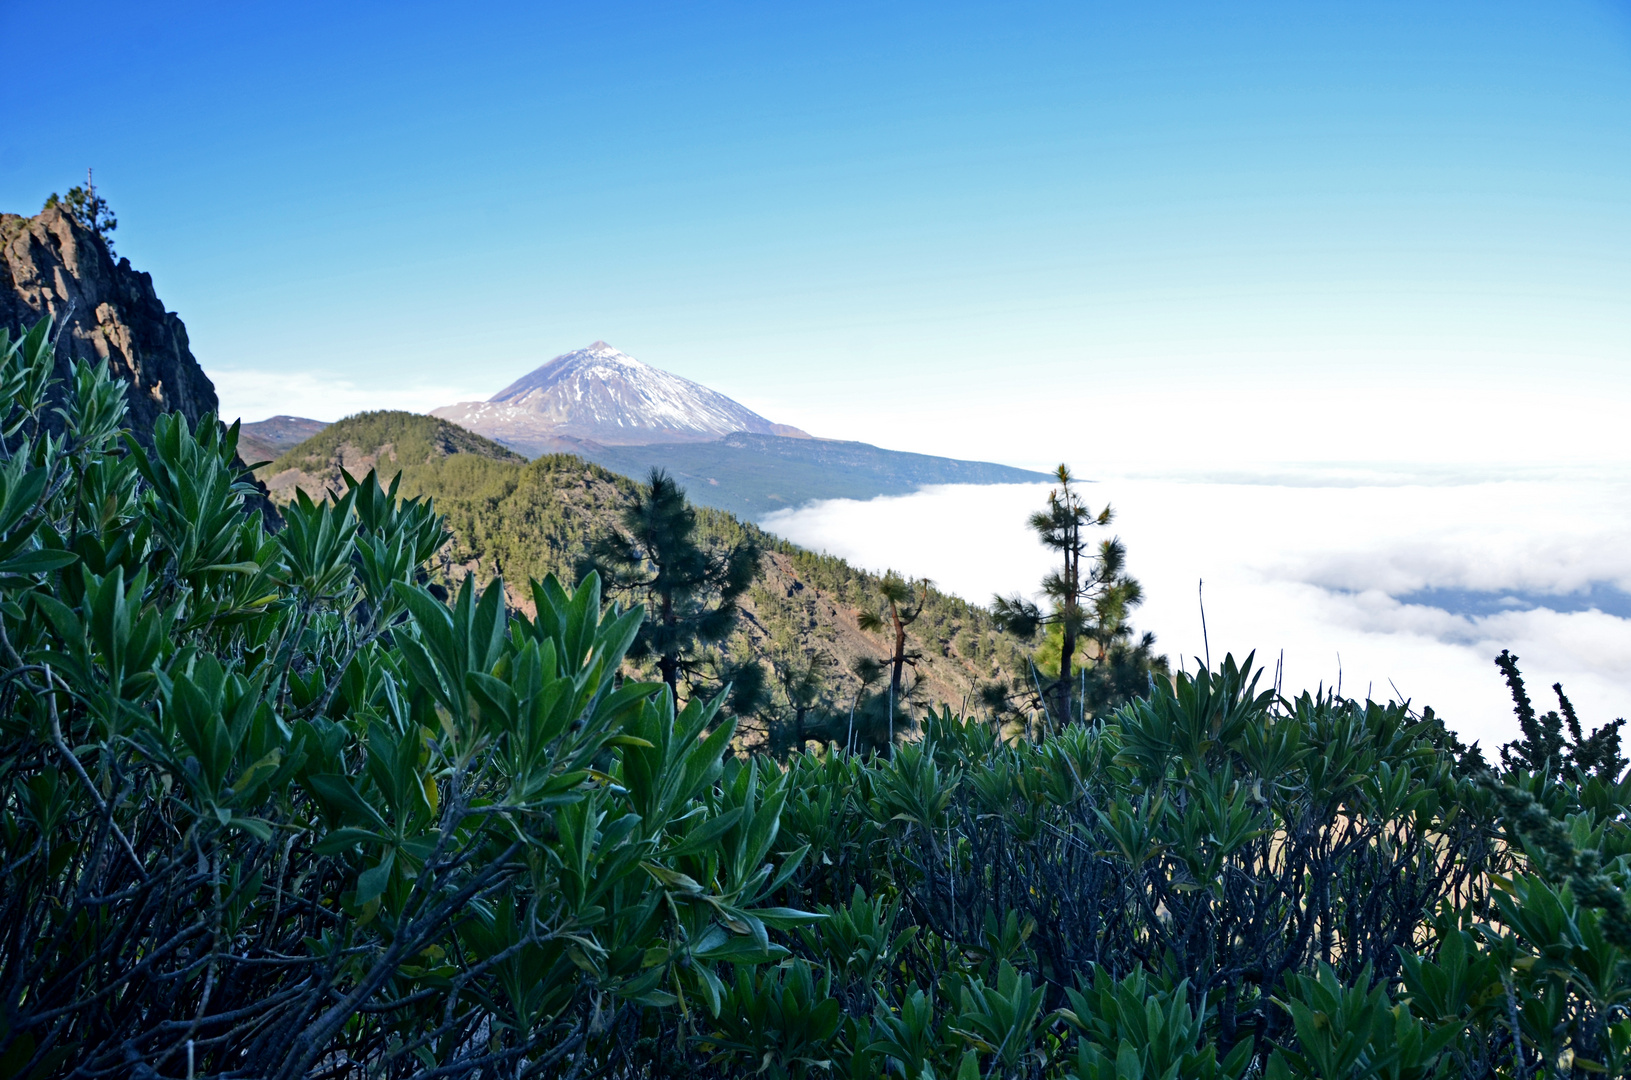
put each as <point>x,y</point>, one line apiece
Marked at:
<point>752,475</point>
<point>266,440</point>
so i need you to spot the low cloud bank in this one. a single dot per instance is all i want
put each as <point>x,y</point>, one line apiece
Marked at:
<point>1383,583</point>
<point>256,395</point>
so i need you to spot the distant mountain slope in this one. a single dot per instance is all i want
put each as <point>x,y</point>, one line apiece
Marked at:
<point>389,441</point>
<point>609,397</point>
<point>612,409</point>
<point>264,440</point>
<point>752,475</point>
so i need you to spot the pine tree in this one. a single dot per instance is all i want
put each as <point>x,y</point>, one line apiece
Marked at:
<point>88,208</point>
<point>690,591</point>
<point>899,613</point>
<point>1090,596</point>
<point>802,677</point>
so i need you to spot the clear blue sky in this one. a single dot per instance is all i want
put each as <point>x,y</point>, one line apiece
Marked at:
<point>929,226</point>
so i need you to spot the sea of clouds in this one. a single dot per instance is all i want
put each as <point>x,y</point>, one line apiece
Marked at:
<point>1399,584</point>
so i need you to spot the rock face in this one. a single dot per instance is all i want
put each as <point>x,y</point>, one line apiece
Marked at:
<point>608,398</point>
<point>52,265</point>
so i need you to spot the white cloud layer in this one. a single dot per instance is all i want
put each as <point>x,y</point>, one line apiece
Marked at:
<point>255,395</point>
<point>1312,569</point>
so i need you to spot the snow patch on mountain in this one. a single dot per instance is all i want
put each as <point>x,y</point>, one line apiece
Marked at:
<point>604,395</point>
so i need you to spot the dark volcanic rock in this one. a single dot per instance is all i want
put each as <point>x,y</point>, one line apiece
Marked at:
<point>52,265</point>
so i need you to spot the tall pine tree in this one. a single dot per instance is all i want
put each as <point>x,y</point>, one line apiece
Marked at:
<point>1089,596</point>
<point>690,591</point>
<point>900,611</point>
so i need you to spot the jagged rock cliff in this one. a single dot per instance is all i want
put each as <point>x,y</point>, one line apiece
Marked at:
<point>52,265</point>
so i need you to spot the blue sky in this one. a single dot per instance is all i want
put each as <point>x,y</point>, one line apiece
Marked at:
<point>1342,232</point>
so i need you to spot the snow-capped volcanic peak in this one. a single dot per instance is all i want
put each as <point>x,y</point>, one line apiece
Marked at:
<point>605,395</point>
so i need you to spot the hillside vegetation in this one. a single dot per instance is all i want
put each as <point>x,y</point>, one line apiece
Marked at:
<point>526,520</point>
<point>387,441</point>
<point>271,807</point>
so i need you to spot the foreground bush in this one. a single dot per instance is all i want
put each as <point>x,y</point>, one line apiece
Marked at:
<point>270,806</point>
<point>272,809</point>
<point>1216,884</point>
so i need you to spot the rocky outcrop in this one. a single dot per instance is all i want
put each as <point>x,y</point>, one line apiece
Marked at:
<point>50,264</point>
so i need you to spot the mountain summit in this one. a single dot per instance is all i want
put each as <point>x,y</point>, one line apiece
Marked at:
<point>609,408</point>
<point>601,395</point>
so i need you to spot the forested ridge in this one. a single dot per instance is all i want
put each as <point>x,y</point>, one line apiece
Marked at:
<point>529,520</point>
<point>296,803</point>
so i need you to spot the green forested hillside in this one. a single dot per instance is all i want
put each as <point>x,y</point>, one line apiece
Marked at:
<point>529,519</point>
<point>386,440</point>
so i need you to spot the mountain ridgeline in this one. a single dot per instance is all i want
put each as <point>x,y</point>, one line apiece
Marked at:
<point>523,520</point>
<point>607,407</point>
<point>266,440</point>
<point>752,475</point>
<point>386,441</point>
